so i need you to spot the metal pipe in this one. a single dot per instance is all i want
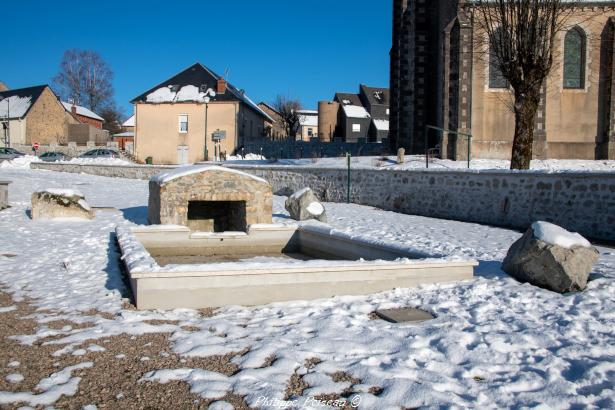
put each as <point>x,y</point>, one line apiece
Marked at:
<point>348,156</point>
<point>426,152</point>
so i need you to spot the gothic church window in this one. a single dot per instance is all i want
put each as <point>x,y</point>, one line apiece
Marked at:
<point>574,58</point>
<point>496,78</point>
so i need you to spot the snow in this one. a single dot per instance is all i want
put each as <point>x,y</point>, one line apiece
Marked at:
<point>188,93</point>
<point>15,106</point>
<point>417,162</point>
<point>82,111</point>
<point>130,122</point>
<point>64,192</point>
<point>355,111</point>
<point>192,93</point>
<point>52,387</point>
<point>247,157</point>
<point>308,120</point>
<point>558,236</point>
<point>125,134</point>
<point>179,172</point>
<point>20,162</point>
<point>162,95</point>
<point>99,161</point>
<point>315,208</point>
<point>494,342</point>
<point>14,378</point>
<point>381,125</point>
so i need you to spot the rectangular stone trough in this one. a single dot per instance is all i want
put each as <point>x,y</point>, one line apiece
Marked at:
<point>172,267</point>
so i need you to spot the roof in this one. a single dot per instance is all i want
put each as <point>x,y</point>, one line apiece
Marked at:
<point>190,85</point>
<point>82,111</point>
<point>15,104</point>
<point>125,134</point>
<point>381,125</point>
<point>130,122</point>
<point>376,95</point>
<point>348,99</point>
<point>355,111</point>
<point>308,118</point>
<point>268,106</point>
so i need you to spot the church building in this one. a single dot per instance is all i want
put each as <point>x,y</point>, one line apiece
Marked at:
<point>441,75</point>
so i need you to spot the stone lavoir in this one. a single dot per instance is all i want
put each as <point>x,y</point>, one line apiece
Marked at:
<point>212,243</point>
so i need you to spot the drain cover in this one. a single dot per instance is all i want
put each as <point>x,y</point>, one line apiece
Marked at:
<point>404,315</point>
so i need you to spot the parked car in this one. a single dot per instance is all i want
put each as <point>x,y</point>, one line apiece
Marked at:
<point>54,156</point>
<point>9,153</point>
<point>100,153</point>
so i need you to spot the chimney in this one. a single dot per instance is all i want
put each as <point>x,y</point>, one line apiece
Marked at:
<point>73,109</point>
<point>221,89</point>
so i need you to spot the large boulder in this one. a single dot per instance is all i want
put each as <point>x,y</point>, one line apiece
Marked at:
<point>304,205</point>
<point>60,203</point>
<point>552,258</point>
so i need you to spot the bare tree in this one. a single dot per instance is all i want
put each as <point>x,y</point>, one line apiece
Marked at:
<point>85,78</point>
<point>289,111</point>
<point>112,114</point>
<point>521,36</point>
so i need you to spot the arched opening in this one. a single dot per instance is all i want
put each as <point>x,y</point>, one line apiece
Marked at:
<point>575,45</point>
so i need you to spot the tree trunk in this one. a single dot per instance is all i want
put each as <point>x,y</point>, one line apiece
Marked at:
<point>526,107</point>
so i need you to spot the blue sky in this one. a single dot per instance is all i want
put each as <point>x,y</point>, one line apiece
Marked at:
<point>307,49</point>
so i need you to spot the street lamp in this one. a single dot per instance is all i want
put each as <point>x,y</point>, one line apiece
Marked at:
<point>209,94</point>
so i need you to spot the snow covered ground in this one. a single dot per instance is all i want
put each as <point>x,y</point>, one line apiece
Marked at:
<point>25,161</point>
<point>494,343</point>
<point>418,162</point>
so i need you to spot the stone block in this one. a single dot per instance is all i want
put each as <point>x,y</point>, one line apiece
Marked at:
<point>60,203</point>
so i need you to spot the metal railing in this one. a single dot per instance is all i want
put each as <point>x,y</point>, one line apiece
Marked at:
<point>462,134</point>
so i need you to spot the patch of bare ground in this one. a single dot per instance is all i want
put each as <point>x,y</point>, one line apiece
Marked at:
<point>113,380</point>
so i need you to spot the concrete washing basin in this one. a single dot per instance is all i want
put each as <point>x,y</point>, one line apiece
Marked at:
<point>172,267</point>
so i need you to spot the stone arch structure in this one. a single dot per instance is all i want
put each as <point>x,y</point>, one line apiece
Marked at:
<point>209,199</point>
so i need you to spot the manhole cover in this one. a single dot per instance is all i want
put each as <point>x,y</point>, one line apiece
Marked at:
<point>404,315</point>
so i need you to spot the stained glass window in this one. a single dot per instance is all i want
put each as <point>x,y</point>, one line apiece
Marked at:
<point>574,59</point>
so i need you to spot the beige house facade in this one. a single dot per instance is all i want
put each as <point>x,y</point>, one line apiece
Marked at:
<point>464,93</point>
<point>194,116</point>
<point>34,115</point>
<point>308,125</point>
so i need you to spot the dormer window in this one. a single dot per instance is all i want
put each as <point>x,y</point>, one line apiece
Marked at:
<point>174,88</point>
<point>346,102</point>
<point>203,88</point>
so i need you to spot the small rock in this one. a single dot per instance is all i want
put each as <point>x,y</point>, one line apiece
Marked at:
<point>304,205</point>
<point>552,258</point>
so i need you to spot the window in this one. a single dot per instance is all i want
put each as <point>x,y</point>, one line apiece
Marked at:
<point>356,127</point>
<point>574,58</point>
<point>310,132</point>
<point>183,123</point>
<point>496,78</point>
<point>388,111</point>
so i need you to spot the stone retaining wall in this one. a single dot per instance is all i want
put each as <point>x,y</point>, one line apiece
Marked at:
<point>144,172</point>
<point>582,202</point>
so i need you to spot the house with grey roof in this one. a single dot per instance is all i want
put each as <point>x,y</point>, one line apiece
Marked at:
<point>193,116</point>
<point>363,116</point>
